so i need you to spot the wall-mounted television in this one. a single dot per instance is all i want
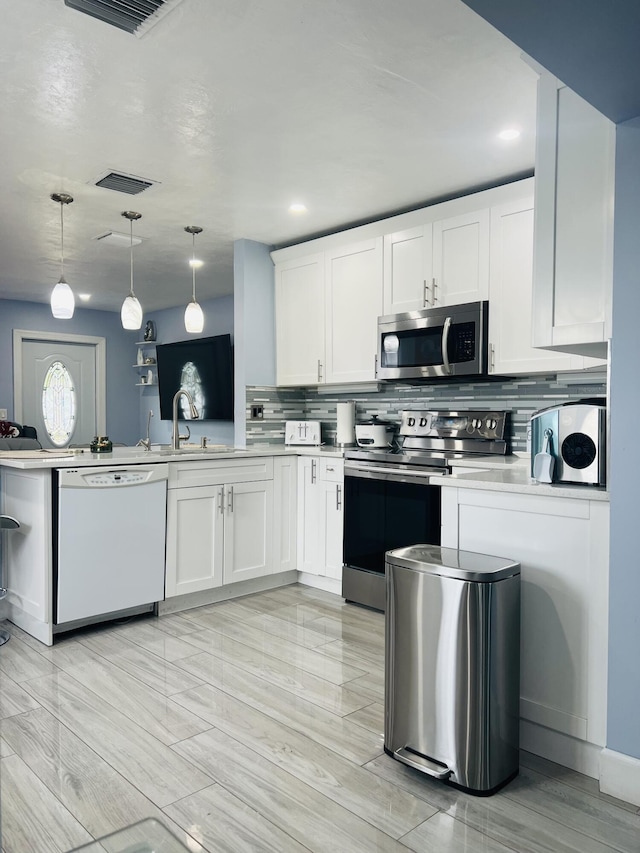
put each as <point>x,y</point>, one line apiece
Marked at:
<point>204,367</point>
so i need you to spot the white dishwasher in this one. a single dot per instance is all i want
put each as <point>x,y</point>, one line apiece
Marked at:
<point>110,540</point>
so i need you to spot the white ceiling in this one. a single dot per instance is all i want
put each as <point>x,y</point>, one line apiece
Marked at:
<point>358,108</point>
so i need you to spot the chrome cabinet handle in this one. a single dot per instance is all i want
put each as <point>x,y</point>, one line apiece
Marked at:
<point>375,365</point>
<point>338,497</point>
<point>435,288</point>
<point>221,500</point>
<point>313,470</point>
<point>426,298</point>
<point>445,345</point>
<point>230,499</point>
<point>319,371</point>
<point>492,363</point>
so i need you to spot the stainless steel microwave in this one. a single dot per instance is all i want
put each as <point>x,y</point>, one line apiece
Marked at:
<point>440,343</point>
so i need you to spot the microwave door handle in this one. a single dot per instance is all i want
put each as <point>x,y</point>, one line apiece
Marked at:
<point>445,345</point>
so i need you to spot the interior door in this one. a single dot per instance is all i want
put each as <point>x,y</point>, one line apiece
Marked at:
<point>60,389</point>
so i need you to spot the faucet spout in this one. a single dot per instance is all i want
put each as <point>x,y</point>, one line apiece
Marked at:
<point>175,432</point>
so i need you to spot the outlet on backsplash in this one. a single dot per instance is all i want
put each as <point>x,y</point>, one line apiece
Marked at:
<point>257,413</point>
<point>3,414</point>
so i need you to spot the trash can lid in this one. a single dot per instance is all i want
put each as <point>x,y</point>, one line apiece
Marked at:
<point>451,563</point>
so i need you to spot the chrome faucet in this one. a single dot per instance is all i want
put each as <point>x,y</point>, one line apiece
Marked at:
<point>176,438</point>
<point>146,442</point>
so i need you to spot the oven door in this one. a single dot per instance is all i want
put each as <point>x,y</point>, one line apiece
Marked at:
<point>383,509</point>
<point>436,342</point>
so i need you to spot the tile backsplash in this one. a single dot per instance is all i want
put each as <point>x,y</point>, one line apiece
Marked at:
<point>522,397</point>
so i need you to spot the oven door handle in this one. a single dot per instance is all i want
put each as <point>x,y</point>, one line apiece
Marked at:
<point>375,472</point>
<point>445,346</point>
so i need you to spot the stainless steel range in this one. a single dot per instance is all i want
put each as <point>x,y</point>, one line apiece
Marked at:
<point>392,499</point>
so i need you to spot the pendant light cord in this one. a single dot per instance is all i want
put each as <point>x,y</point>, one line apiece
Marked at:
<point>61,242</point>
<point>193,267</point>
<point>131,293</point>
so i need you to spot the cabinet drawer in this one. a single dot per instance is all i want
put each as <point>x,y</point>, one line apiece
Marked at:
<point>331,470</point>
<point>223,471</point>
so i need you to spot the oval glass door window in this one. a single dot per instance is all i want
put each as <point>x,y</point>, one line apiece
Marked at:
<point>59,404</point>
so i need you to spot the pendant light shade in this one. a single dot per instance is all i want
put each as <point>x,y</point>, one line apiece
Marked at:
<point>131,311</point>
<point>193,316</point>
<point>63,302</point>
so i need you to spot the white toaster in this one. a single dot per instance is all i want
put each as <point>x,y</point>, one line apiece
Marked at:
<point>302,432</point>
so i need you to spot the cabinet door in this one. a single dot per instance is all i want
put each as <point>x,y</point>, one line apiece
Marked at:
<point>310,547</point>
<point>284,511</point>
<point>332,522</point>
<point>461,259</point>
<point>408,265</point>
<point>573,222</point>
<point>194,539</point>
<point>353,277</point>
<point>248,531</point>
<point>300,320</point>
<point>510,295</point>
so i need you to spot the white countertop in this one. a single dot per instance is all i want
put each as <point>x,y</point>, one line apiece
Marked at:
<point>512,474</point>
<point>140,456</point>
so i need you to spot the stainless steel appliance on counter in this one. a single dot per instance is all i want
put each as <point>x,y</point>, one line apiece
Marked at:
<point>576,435</point>
<point>442,343</point>
<point>389,502</point>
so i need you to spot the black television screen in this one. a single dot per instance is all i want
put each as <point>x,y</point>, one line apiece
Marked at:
<point>204,367</point>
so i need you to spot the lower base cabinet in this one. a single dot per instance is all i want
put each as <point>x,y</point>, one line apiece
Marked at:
<point>320,516</point>
<point>562,546</point>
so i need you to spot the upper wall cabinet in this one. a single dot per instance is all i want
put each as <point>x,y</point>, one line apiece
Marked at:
<point>511,264</point>
<point>573,258</point>
<point>327,306</point>
<point>300,320</point>
<point>445,262</point>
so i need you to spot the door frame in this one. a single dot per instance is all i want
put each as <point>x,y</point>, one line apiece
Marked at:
<point>100,347</point>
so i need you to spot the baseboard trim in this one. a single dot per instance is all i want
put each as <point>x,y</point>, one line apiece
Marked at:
<point>223,593</point>
<point>318,582</point>
<point>579,755</point>
<point>620,776</point>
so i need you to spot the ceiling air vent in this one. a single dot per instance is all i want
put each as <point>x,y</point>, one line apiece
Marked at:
<point>122,183</point>
<point>133,16</point>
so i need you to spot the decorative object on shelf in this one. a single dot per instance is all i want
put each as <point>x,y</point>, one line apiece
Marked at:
<point>193,316</point>
<point>140,357</point>
<point>63,302</point>
<point>150,332</point>
<point>101,444</point>
<point>131,311</point>
<point>149,377</point>
<point>149,360</point>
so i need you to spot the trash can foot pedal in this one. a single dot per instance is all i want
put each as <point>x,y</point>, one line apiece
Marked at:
<point>421,762</point>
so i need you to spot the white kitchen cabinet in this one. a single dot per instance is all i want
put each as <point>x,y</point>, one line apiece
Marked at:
<point>562,546</point>
<point>573,260</point>
<point>327,307</point>
<point>219,524</point>
<point>285,480</point>
<point>445,262</point>
<point>408,269</point>
<point>320,517</point>
<point>353,303</point>
<point>300,325</point>
<point>510,297</point>
<point>461,259</point>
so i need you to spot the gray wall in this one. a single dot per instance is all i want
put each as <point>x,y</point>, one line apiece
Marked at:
<point>623,720</point>
<point>122,395</point>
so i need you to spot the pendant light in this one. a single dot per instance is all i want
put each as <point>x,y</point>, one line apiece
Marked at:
<point>131,311</point>
<point>193,316</point>
<point>62,299</point>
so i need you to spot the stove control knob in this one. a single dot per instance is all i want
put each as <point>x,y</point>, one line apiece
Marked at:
<point>492,423</point>
<point>423,422</point>
<point>476,423</point>
<point>411,421</point>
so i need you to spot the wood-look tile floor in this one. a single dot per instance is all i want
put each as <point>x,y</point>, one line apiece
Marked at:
<point>252,725</point>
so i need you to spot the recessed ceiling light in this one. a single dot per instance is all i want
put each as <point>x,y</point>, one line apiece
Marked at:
<point>84,297</point>
<point>296,207</point>
<point>509,134</point>
<point>194,262</point>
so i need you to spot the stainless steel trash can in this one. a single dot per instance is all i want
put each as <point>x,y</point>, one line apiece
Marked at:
<point>452,665</point>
